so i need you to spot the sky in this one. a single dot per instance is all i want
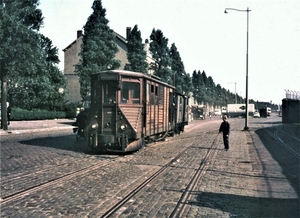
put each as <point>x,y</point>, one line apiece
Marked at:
<point>206,38</point>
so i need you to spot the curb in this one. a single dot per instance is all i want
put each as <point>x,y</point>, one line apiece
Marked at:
<point>15,132</point>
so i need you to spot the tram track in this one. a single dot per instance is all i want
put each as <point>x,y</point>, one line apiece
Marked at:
<point>199,172</point>
<point>280,141</point>
<point>51,182</point>
<point>181,205</point>
<point>292,135</point>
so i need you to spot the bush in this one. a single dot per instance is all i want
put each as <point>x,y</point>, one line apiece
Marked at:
<point>70,109</point>
<point>35,114</point>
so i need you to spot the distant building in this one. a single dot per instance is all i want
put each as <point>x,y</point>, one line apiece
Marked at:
<point>71,58</point>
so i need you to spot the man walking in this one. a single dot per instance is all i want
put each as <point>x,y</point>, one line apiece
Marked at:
<point>225,128</point>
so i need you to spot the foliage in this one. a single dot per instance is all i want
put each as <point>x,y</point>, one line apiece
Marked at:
<point>160,53</point>
<point>18,114</point>
<point>181,80</point>
<point>18,43</point>
<point>43,87</point>
<point>70,109</point>
<point>199,87</point>
<point>98,48</point>
<point>136,54</point>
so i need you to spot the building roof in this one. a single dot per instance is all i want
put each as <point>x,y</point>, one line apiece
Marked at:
<point>121,38</point>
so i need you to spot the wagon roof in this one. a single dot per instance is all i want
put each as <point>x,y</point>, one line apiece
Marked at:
<point>134,74</point>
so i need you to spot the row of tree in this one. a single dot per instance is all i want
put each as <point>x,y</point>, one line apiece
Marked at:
<point>98,53</point>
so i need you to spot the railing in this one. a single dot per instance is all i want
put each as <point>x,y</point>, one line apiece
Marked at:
<point>289,94</point>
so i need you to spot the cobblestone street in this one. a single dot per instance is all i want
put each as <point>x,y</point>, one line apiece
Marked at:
<point>46,172</point>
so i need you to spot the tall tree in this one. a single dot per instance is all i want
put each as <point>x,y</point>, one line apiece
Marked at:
<point>187,85</point>
<point>98,48</point>
<point>19,51</point>
<point>204,78</point>
<point>199,87</point>
<point>177,67</point>
<point>160,53</point>
<point>43,86</point>
<point>136,54</point>
<point>211,92</point>
<point>51,52</point>
<point>56,89</point>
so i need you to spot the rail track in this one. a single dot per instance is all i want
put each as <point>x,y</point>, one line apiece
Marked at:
<point>180,206</point>
<point>8,198</point>
<point>291,144</point>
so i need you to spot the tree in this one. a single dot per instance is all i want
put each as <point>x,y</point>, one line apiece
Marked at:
<point>19,53</point>
<point>199,87</point>
<point>56,78</point>
<point>177,67</point>
<point>211,92</point>
<point>98,48</point>
<point>204,78</point>
<point>187,86</point>
<point>44,86</point>
<point>51,53</point>
<point>136,54</point>
<point>160,53</point>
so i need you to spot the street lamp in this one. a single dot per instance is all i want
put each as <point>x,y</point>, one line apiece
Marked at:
<point>247,99</point>
<point>235,91</point>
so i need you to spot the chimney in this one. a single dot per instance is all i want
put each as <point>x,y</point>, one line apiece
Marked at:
<point>146,45</point>
<point>128,31</point>
<point>79,33</point>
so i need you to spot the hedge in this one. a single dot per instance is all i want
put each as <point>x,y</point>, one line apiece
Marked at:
<point>35,114</point>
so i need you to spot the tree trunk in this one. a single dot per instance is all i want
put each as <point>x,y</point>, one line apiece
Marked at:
<point>3,98</point>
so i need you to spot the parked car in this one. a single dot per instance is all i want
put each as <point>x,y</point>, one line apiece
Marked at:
<point>218,112</point>
<point>256,114</point>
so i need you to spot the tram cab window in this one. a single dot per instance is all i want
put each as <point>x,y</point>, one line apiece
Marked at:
<point>109,93</point>
<point>130,93</point>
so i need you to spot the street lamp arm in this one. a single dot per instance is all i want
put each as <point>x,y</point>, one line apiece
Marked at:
<point>233,9</point>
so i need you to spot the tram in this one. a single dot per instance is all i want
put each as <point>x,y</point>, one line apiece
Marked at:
<point>129,109</point>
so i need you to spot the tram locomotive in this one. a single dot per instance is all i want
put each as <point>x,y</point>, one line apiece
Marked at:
<point>129,109</point>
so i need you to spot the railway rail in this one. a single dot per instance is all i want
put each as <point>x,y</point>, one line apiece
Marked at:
<point>195,179</point>
<point>291,144</point>
<point>44,185</point>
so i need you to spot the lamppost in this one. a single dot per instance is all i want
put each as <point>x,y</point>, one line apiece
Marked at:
<point>247,99</point>
<point>235,91</point>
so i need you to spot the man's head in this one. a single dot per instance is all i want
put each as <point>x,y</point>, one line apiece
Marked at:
<point>225,117</point>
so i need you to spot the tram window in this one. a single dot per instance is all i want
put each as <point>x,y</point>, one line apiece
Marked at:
<point>130,93</point>
<point>109,93</point>
<point>152,88</point>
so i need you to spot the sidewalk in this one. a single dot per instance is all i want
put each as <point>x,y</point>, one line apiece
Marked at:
<point>18,127</point>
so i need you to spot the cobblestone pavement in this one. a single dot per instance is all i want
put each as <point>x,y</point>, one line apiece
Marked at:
<point>255,178</point>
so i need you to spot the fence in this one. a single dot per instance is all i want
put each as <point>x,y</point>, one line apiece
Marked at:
<point>292,94</point>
